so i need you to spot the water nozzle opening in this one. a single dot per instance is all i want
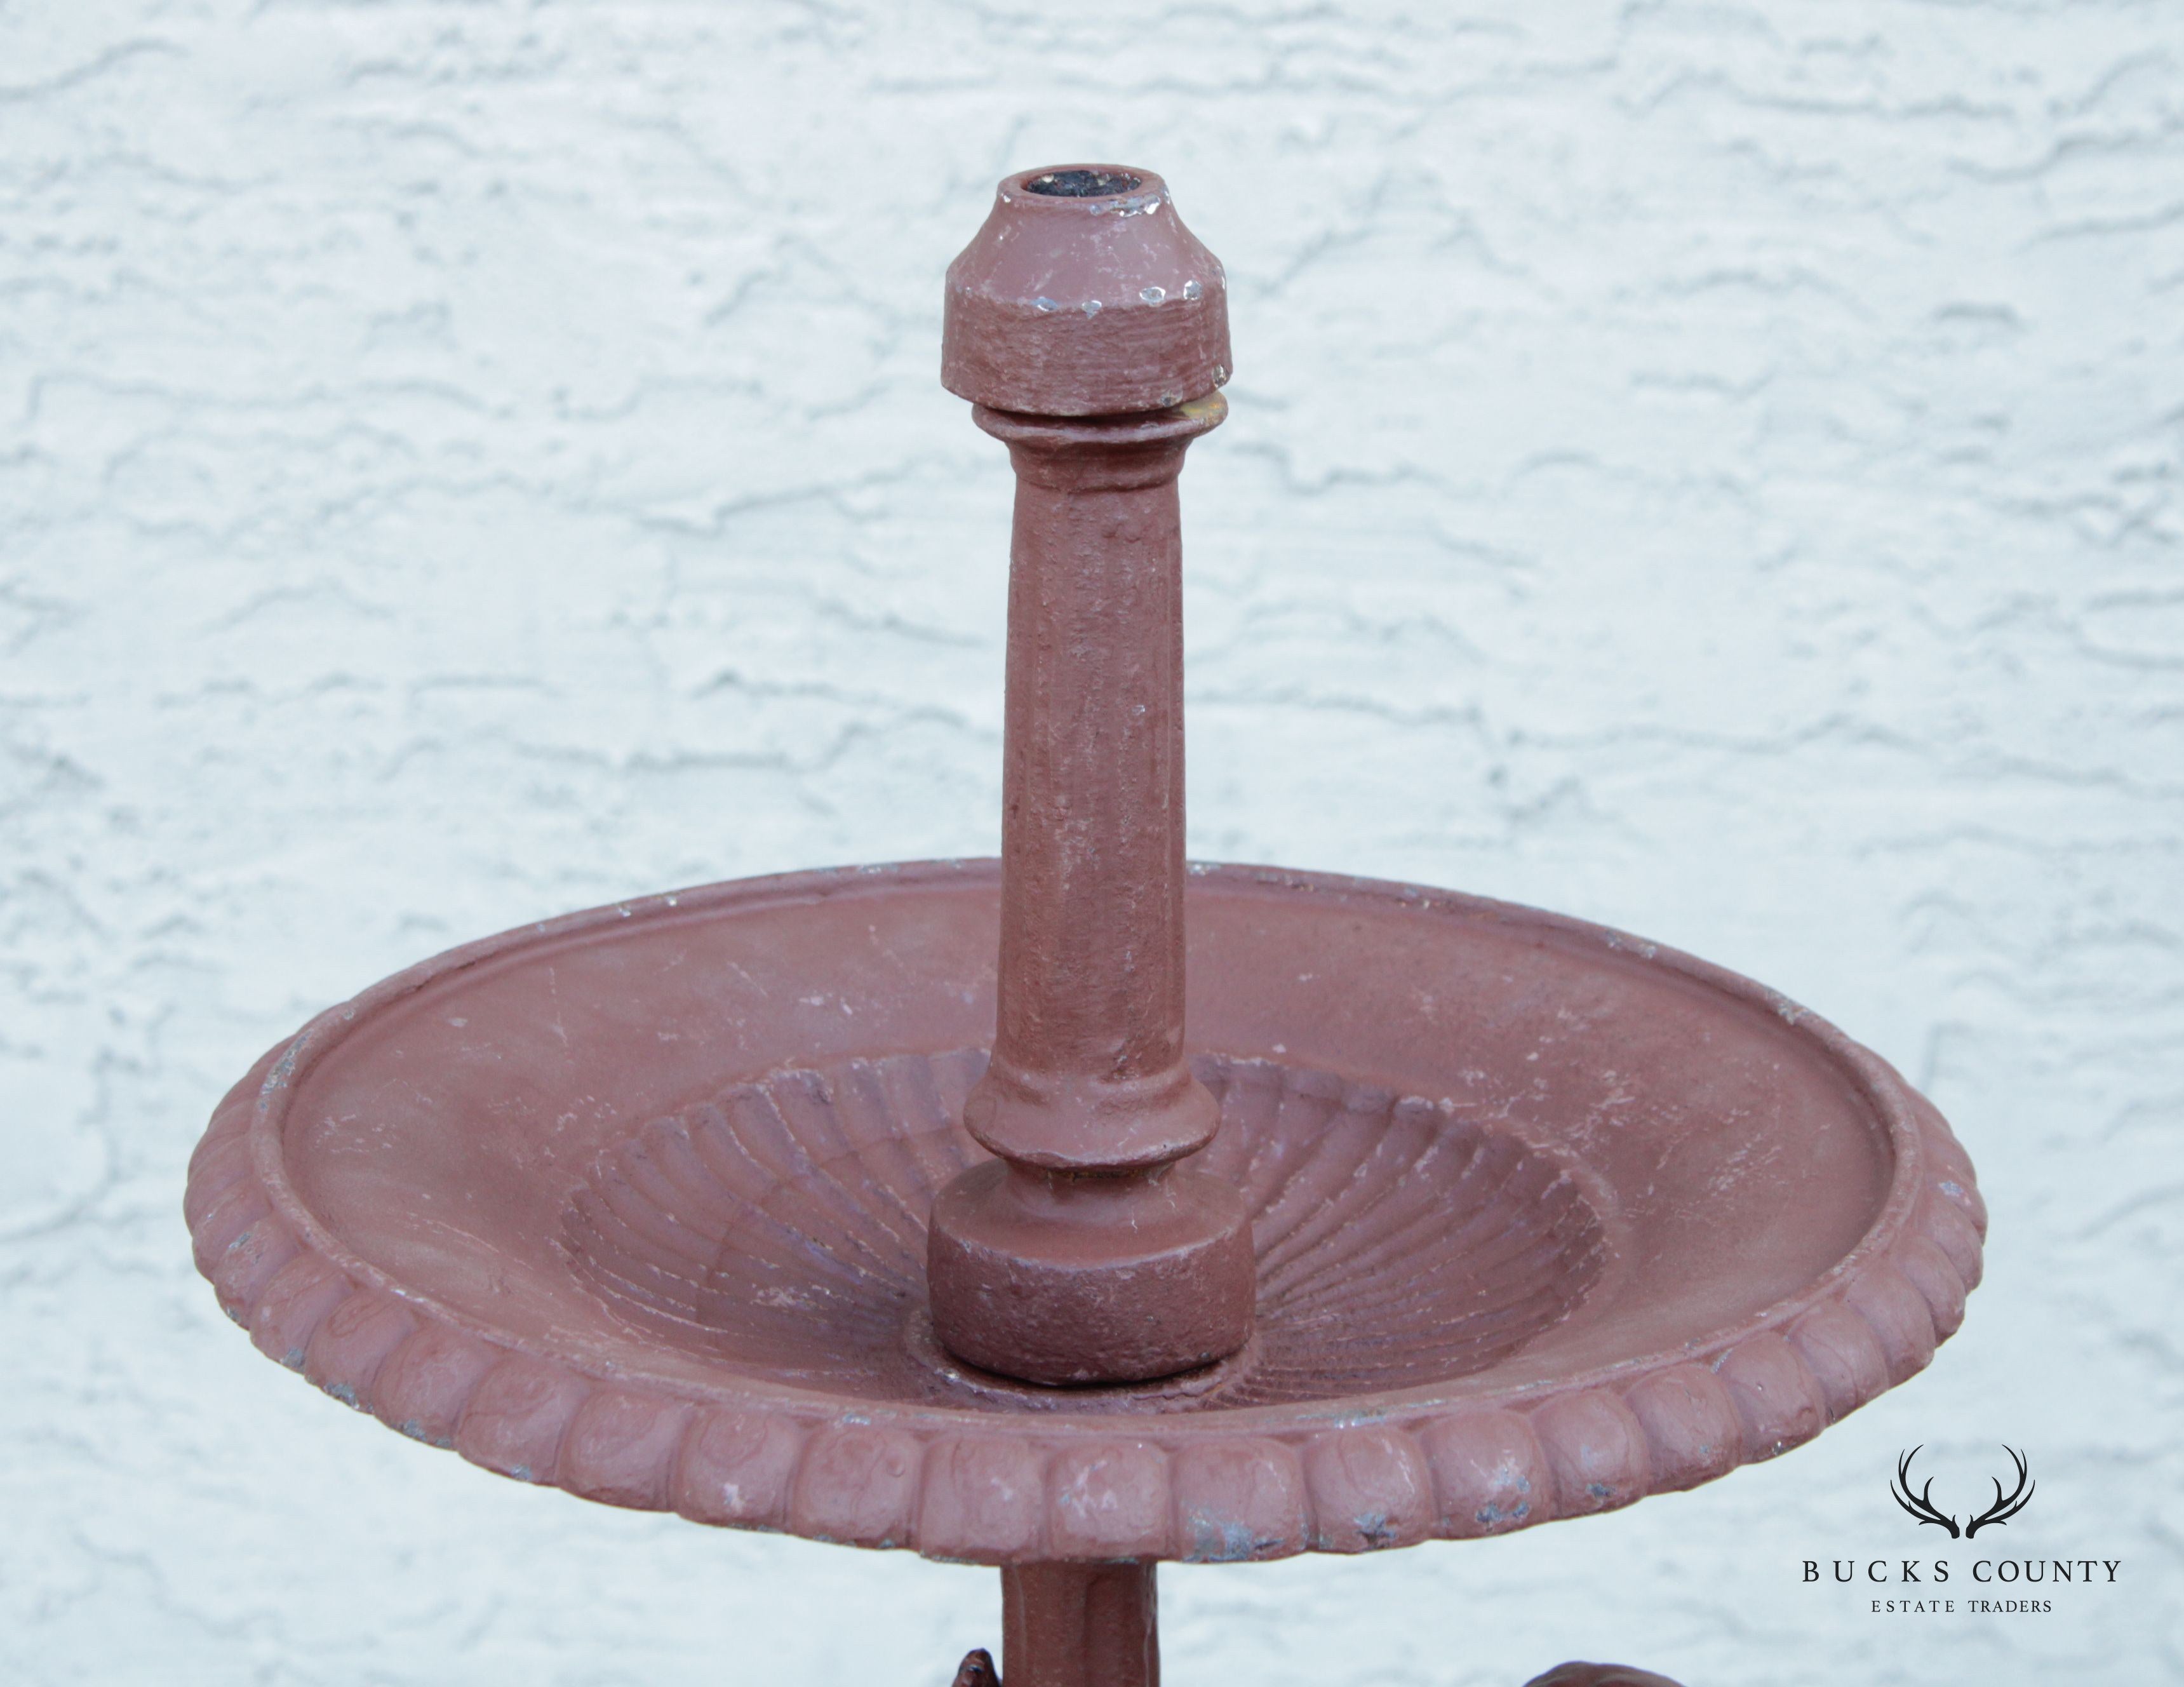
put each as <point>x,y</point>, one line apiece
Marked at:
<point>1083,184</point>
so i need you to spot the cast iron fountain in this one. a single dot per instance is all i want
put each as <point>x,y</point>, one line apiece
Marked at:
<point>892,1206</point>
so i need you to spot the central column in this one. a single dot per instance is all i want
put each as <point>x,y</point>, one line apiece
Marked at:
<point>1090,329</point>
<point>1088,1071</point>
<point>1079,1625</point>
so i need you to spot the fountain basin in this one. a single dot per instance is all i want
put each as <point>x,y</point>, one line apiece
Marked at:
<point>633,1203</point>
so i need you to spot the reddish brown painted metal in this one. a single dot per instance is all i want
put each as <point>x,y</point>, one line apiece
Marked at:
<point>634,1203</point>
<point>976,1670</point>
<point>1086,1253</point>
<point>1084,295</point>
<point>1089,1251</point>
<point>1540,1218</point>
<point>1079,1625</point>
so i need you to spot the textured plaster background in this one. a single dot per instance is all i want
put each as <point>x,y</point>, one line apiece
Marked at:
<point>1711,469</point>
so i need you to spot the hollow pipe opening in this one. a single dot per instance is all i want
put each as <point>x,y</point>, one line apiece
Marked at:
<point>1083,184</point>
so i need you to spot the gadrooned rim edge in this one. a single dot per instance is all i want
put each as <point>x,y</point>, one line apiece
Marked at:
<point>992,1489</point>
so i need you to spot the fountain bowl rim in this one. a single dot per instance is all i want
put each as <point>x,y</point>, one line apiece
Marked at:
<point>1262,1481</point>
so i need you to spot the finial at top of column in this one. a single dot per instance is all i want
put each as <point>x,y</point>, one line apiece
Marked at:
<point>1083,295</point>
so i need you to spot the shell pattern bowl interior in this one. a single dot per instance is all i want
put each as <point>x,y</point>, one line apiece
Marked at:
<point>634,1203</point>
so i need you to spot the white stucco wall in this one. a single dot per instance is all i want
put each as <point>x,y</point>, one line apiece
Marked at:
<point>1714,469</point>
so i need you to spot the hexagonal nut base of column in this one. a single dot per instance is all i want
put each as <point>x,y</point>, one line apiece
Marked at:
<point>1062,1280</point>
